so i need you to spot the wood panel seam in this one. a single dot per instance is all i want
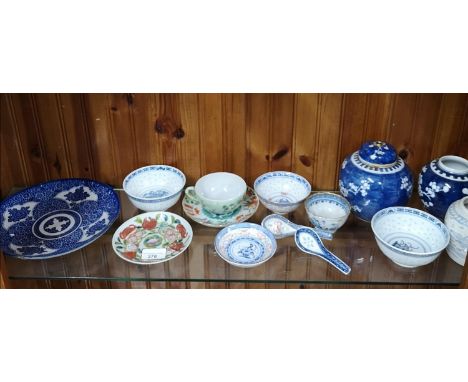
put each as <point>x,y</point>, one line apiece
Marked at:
<point>24,168</point>
<point>110,118</point>
<point>63,134</point>
<point>437,129</point>
<point>84,119</point>
<point>316,138</point>
<point>340,135</point>
<point>37,128</point>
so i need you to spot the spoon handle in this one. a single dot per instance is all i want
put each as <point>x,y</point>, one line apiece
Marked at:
<point>335,261</point>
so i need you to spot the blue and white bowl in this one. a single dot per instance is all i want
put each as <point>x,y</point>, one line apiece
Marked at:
<point>327,211</point>
<point>154,188</point>
<point>409,237</point>
<point>57,217</point>
<point>281,191</point>
<point>245,244</point>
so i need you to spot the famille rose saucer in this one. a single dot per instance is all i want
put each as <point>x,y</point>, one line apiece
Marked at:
<point>152,238</point>
<point>197,213</point>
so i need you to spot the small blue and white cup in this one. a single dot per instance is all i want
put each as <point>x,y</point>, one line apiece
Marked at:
<point>327,211</point>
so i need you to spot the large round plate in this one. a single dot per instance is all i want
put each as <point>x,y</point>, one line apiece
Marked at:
<point>57,217</point>
<point>152,238</point>
<point>197,213</point>
<point>245,244</point>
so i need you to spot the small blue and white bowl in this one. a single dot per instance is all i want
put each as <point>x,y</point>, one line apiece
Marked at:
<point>327,211</point>
<point>282,191</point>
<point>245,244</point>
<point>154,188</point>
<point>409,237</point>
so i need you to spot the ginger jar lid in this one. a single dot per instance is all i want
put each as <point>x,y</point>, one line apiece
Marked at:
<point>378,153</point>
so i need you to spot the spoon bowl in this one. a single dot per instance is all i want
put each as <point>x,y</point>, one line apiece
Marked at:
<point>307,240</point>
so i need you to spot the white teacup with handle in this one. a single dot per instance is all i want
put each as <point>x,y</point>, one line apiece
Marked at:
<point>219,192</point>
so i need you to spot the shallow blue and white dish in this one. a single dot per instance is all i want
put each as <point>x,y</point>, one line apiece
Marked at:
<point>154,188</point>
<point>57,217</point>
<point>245,244</point>
<point>282,191</point>
<point>409,237</point>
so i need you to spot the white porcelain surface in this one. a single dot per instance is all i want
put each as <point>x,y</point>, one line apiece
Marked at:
<point>408,236</point>
<point>219,192</point>
<point>456,220</point>
<point>245,245</point>
<point>281,191</point>
<point>327,211</point>
<point>279,226</point>
<point>248,206</point>
<point>154,188</point>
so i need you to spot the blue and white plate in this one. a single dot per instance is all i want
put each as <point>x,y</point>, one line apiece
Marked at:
<point>245,244</point>
<point>57,217</point>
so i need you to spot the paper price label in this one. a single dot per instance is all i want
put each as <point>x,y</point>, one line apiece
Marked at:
<point>153,253</point>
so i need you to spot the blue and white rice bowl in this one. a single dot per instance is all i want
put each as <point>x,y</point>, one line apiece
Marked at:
<point>327,211</point>
<point>245,244</point>
<point>409,237</point>
<point>282,191</point>
<point>154,188</point>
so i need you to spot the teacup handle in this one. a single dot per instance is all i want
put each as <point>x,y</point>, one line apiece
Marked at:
<point>191,194</point>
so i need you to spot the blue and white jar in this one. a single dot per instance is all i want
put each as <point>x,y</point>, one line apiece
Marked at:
<point>373,178</point>
<point>441,182</point>
<point>456,220</point>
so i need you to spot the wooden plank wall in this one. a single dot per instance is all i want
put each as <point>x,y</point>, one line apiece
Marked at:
<point>105,136</point>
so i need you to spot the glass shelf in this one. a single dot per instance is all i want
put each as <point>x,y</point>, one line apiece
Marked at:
<point>201,267</point>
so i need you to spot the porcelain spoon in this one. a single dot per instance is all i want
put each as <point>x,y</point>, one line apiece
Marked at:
<point>281,227</point>
<point>307,240</point>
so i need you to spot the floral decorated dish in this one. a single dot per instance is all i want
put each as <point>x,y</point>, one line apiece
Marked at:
<point>245,244</point>
<point>282,191</point>
<point>57,217</point>
<point>154,188</point>
<point>409,237</point>
<point>152,237</point>
<point>247,208</point>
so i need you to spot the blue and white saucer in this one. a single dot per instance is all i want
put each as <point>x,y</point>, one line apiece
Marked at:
<point>245,244</point>
<point>57,217</point>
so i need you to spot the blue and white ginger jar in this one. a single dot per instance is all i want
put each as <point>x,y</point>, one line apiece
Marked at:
<point>441,182</point>
<point>373,178</point>
<point>456,220</point>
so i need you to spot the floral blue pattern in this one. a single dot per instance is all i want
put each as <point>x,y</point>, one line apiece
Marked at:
<point>18,214</point>
<point>77,195</point>
<point>56,217</point>
<point>374,178</point>
<point>438,188</point>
